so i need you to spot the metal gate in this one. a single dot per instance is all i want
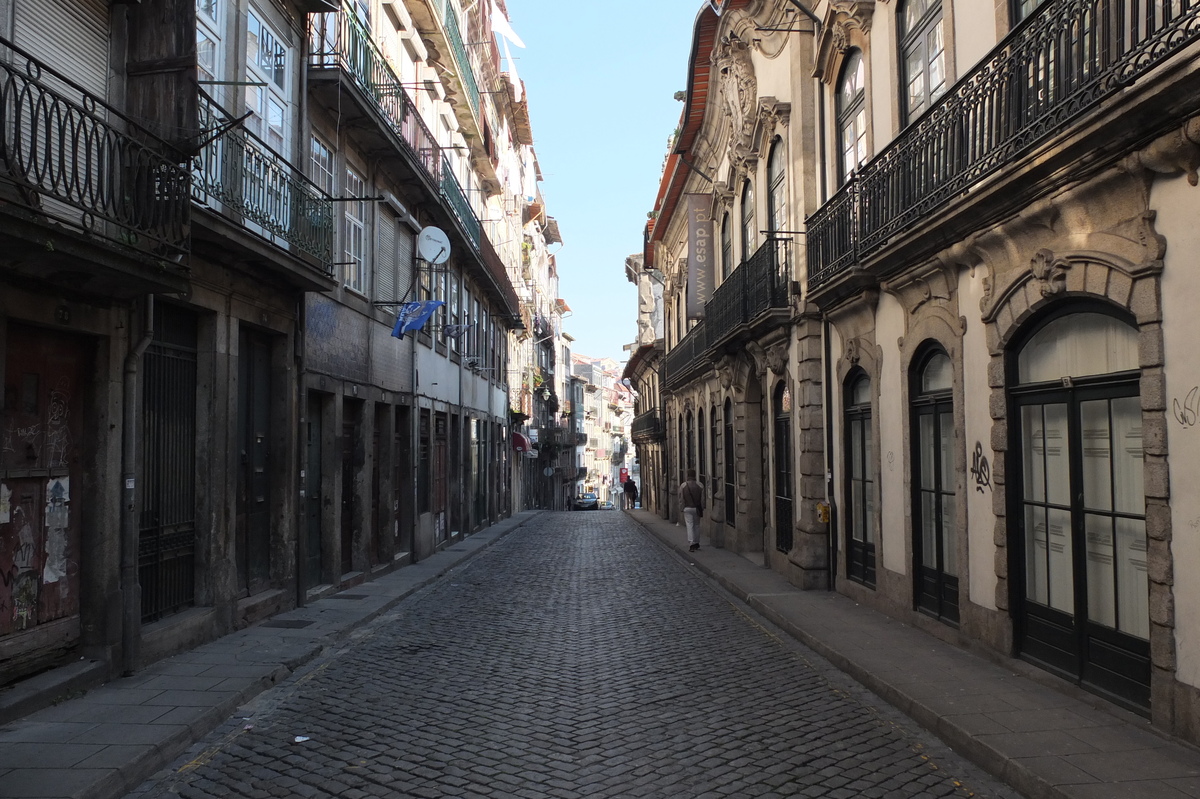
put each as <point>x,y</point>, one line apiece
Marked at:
<point>167,523</point>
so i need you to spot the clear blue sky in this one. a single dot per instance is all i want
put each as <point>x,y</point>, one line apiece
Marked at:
<point>601,77</point>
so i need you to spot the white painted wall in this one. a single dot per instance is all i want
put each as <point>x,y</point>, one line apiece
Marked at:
<point>981,520</point>
<point>893,523</point>
<point>1176,204</point>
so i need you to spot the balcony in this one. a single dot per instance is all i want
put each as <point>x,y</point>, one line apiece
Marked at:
<point>241,178</point>
<point>647,427</point>
<point>341,49</point>
<point>1036,87</point>
<point>68,157</point>
<point>456,198</point>
<point>757,286</point>
<point>687,358</point>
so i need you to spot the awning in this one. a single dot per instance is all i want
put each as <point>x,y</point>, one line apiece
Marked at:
<point>521,442</point>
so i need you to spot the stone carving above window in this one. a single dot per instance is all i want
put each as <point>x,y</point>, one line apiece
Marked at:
<point>847,24</point>
<point>739,90</point>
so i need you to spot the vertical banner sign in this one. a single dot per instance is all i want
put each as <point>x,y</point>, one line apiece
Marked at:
<point>700,254</point>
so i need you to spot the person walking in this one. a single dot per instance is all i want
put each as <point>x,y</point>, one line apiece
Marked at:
<point>691,499</point>
<point>631,494</point>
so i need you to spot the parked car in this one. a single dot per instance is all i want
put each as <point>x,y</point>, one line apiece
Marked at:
<point>588,501</point>
<point>606,506</point>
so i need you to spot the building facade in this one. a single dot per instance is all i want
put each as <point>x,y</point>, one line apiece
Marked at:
<point>981,317</point>
<point>216,212</point>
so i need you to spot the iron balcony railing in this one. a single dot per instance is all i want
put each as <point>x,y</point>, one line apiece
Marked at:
<point>1053,68</point>
<point>241,177</point>
<point>456,198</point>
<point>688,357</point>
<point>647,425</point>
<point>759,284</point>
<point>466,73</point>
<point>339,40</point>
<point>67,155</point>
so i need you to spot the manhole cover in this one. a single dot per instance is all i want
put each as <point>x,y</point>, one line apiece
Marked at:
<point>287,624</point>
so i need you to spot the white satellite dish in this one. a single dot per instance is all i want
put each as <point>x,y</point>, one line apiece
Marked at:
<point>433,245</point>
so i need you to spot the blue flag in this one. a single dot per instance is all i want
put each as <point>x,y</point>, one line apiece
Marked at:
<point>414,315</point>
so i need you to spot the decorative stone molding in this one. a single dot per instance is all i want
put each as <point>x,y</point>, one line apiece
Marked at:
<point>847,24</point>
<point>777,357</point>
<point>758,357</point>
<point>1178,151</point>
<point>1049,272</point>
<point>738,89</point>
<point>772,115</point>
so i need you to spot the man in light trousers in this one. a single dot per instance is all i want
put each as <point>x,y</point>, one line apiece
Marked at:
<point>691,499</point>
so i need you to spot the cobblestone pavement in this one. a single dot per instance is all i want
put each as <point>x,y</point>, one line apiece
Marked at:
<point>575,658</point>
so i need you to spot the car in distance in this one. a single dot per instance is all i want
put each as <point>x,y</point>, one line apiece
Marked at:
<point>587,501</point>
<point>606,506</point>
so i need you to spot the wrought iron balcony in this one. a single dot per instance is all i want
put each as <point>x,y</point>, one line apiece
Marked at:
<point>687,358</point>
<point>1050,71</point>
<point>242,178</point>
<point>456,198</point>
<point>68,156</point>
<point>466,73</point>
<point>340,41</point>
<point>759,284</point>
<point>647,427</point>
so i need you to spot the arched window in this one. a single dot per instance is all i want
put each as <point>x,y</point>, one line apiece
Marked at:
<point>860,481</point>
<point>747,207</point>
<point>681,448</point>
<point>923,56</point>
<point>701,459</point>
<point>690,445</point>
<point>781,408</point>
<point>1080,536</point>
<point>852,115</point>
<point>777,187</point>
<point>935,549</point>
<point>726,246</point>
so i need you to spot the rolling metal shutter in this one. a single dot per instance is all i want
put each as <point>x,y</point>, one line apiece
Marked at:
<point>72,36</point>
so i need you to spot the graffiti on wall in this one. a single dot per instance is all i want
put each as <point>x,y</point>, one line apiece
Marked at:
<point>981,470</point>
<point>1187,413</point>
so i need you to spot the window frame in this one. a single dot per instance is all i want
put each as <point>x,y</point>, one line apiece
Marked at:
<point>856,110</point>
<point>916,41</point>
<point>860,552</point>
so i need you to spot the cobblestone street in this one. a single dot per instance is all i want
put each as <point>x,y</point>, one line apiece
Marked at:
<point>575,658</point>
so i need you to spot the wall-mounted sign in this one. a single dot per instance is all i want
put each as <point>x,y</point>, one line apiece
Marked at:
<point>700,254</point>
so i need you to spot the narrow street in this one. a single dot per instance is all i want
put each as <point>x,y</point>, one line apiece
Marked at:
<point>575,658</point>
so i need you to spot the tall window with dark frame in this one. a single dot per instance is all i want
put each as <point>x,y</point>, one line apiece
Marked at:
<point>935,549</point>
<point>852,115</point>
<point>726,246</point>
<point>922,56</point>
<point>781,406</point>
<point>747,210</point>
<point>777,212</point>
<point>690,441</point>
<point>730,466</point>
<point>860,481</point>
<point>701,461</point>
<point>681,450</point>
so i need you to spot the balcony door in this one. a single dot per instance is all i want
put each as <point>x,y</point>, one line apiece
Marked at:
<point>1079,521</point>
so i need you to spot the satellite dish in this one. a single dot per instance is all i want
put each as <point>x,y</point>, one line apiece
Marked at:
<point>433,245</point>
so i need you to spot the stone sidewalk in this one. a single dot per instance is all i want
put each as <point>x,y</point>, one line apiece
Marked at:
<point>1038,734</point>
<point>106,742</point>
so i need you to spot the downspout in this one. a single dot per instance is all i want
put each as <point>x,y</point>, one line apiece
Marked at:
<point>131,590</point>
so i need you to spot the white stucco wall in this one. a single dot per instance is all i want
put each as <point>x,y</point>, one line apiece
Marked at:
<point>1176,203</point>
<point>981,520</point>
<point>889,327</point>
<point>975,33</point>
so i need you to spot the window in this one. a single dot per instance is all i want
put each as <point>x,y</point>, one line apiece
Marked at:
<point>748,235</point>
<point>852,116</point>
<point>781,406</point>
<point>690,441</point>
<point>267,63</point>
<point>208,40</point>
<point>354,232</point>
<point>730,466</point>
<point>701,458</point>
<point>455,314</point>
<point>726,246</point>
<point>923,56</point>
<point>1024,8</point>
<point>321,166</point>
<point>935,549</point>
<point>777,187</point>
<point>1079,538</point>
<point>860,484</point>
<point>713,435</point>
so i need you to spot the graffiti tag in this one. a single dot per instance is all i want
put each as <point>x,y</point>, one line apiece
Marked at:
<point>980,469</point>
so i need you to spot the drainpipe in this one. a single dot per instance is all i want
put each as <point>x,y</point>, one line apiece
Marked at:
<point>131,590</point>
